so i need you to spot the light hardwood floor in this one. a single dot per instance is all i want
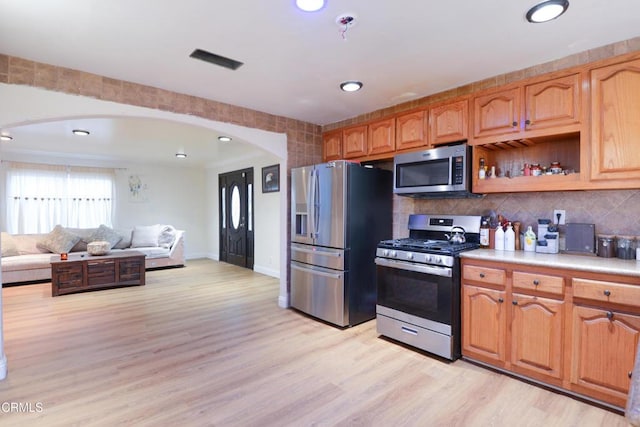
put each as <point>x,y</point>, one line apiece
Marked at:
<point>208,345</point>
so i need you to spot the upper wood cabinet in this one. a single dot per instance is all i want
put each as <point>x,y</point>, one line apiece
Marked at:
<point>332,145</point>
<point>553,103</point>
<point>354,141</point>
<point>411,130</point>
<point>449,122</point>
<point>496,113</point>
<point>615,121</point>
<point>382,136</point>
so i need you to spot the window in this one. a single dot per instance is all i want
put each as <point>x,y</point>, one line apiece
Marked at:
<point>41,196</point>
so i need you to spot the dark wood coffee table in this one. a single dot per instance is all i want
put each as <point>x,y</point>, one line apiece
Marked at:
<point>83,272</point>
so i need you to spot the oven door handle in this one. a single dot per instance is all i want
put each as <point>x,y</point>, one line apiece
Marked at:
<point>418,268</point>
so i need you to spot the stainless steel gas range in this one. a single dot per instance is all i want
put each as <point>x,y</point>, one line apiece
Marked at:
<point>418,282</point>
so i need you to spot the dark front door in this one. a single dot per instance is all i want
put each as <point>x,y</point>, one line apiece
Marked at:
<point>236,217</point>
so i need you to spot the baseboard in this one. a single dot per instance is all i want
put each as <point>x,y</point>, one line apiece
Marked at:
<point>283,301</point>
<point>266,271</point>
<point>197,255</point>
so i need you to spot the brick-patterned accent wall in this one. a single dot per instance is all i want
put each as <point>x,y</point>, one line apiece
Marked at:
<point>304,140</point>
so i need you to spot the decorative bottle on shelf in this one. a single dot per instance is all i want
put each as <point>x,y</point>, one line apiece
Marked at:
<point>482,172</point>
<point>499,238</point>
<point>529,240</point>
<point>509,239</point>
<point>484,234</point>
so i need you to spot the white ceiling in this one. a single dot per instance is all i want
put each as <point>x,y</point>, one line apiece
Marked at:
<point>294,61</point>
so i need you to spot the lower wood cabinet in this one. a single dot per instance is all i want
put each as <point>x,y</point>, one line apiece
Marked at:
<point>484,323</point>
<point>568,329</point>
<point>537,335</point>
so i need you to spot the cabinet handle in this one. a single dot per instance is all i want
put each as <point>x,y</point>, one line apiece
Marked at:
<point>630,374</point>
<point>514,302</point>
<point>609,315</point>
<point>482,275</point>
<point>527,122</point>
<point>536,282</point>
<point>607,293</point>
<point>514,124</point>
<point>500,300</point>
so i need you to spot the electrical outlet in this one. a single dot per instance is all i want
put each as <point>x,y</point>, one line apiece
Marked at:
<point>562,218</point>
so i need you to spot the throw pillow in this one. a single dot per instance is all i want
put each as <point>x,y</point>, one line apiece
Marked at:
<point>145,236</point>
<point>58,240</point>
<point>104,234</point>
<point>9,246</point>
<point>167,236</point>
<point>125,242</point>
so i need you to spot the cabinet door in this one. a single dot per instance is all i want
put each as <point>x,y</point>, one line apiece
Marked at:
<point>553,103</point>
<point>449,122</point>
<point>615,116</point>
<point>604,348</point>
<point>411,130</point>
<point>382,136</point>
<point>496,113</point>
<point>332,145</point>
<point>355,142</point>
<point>483,323</point>
<point>536,334</point>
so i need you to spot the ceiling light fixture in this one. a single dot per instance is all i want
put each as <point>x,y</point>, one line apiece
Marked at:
<point>547,10</point>
<point>351,86</point>
<point>224,138</point>
<point>181,155</point>
<point>6,137</point>
<point>81,132</point>
<point>310,5</point>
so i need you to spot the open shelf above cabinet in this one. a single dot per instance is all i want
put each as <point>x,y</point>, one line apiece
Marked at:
<point>509,159</point>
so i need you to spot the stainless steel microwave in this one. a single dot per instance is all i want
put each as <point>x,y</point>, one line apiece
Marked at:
<point>441,172</point>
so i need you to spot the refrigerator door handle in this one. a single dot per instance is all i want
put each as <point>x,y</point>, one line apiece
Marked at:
<point>311,225</point>
<point>316,272</point>
<point>316,205</point>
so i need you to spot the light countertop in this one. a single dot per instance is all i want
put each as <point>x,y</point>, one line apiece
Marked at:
<point>595,264</point>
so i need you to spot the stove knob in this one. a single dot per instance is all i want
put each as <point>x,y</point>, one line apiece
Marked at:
<point>409,255</point>
<point>428,258</point>
<point>385,252</point>
<point>438,260</point>
<point>394,254</point>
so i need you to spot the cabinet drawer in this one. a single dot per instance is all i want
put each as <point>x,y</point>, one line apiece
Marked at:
<point>618,293</point>
<point>538,282</point>
<point>101,273</point>
<point>484,274</point>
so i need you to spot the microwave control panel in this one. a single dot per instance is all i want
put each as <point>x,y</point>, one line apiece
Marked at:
<point>458,170</point>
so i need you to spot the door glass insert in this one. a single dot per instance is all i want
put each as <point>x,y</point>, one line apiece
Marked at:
<point>250,203</point>
<point>223,210</point>
<point>235,207</point>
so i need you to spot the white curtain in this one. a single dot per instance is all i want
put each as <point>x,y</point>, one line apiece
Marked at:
<point>41,196</point>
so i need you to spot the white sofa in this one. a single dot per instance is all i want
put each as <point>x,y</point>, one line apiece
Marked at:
<point>27,257</point>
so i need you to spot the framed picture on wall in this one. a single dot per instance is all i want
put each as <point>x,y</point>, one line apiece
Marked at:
<point>271,179</point>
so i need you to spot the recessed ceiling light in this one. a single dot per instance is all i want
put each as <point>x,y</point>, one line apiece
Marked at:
<point>224,138</point>
<point>547,10</point>
<point>351,86</point>
<point>181,155</point>
<point>80,132</point>
<point>6,137</point>
<point>310,5</point>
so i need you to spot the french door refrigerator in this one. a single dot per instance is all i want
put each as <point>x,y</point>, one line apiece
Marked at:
<point>340,211</point>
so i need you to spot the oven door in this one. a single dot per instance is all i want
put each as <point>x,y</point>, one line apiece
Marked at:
<point>423,291</point>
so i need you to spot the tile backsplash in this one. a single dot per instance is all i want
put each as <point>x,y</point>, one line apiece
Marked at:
<point>612,211</point>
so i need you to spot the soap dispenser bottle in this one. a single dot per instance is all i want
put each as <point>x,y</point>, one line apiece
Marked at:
<point>499,238</point>
<point>529,240</point>
<point>509,239</point>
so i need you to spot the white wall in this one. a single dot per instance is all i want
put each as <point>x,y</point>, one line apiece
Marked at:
<point>267,211</point>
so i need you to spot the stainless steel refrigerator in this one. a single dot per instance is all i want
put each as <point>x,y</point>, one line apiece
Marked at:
<point>340,211</point>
